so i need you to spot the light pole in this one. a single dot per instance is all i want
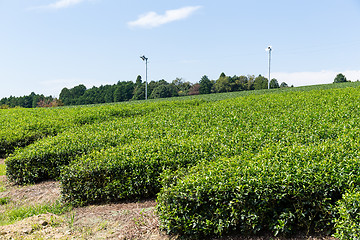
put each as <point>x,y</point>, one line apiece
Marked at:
<point>269,48</point>
<point>145,59</point>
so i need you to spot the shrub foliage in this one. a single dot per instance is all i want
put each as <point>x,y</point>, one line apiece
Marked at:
<point>347,225</point>
<point>274,160</point>
<point>268,191</point>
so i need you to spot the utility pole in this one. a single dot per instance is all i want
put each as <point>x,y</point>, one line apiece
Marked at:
<point>269,48</point>
<point>146,60</point>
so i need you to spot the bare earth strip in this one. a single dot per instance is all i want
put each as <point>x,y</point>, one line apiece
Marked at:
<point>134,220</point>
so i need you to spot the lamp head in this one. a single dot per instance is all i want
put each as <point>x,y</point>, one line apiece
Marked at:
<point>269,48</point>
<point>143,58</point>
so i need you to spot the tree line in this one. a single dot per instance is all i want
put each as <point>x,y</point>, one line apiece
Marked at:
<point>30,101</point>
<point>129,90</point>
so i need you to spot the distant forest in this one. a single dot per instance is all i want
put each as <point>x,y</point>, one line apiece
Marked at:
<point>129,90</point>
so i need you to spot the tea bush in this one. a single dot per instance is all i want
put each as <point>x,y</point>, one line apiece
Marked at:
<point>275,162</point>
<point>347,225</point>
<point>281,190</point>
<point>43,159</point>
<point>130,171</point>
<point>22,127</point>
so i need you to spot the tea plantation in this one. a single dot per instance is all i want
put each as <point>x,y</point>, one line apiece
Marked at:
<point>278,161</point>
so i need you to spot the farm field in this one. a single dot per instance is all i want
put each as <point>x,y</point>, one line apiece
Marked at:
<point>277,161</point>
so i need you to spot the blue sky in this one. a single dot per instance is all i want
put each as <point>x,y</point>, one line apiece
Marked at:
<point>46,45</point>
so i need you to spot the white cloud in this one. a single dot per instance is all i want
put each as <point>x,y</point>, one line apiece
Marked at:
<point>60,4</point>
<point>64,3</point>
<point>152,19</point>
<point>313,78</point>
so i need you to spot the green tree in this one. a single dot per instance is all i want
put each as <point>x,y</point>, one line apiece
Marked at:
<point>138,80</point>
<point>78,91</point>
<point>222,84</point>
<point>250,83</point>
<point>340,78</point>
<point>274,83</point>
<point>260,82</point>
<point>35,101</point>
<point>242,81</point>
<point>124,91</point>
<point>161,91</point>
<point>235,83</point>
<point>177,82</point>
<point>65,96</point>
<point>283,85</point>
<point>129,89</point>
<point>182,88</point>
<point>72,96</point>
<point>109,93</point>
<point>139,92</point>
<point>174,90</point>
<point>205,85</point>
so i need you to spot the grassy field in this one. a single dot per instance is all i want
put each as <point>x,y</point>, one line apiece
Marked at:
<point>2,174</point>
<point>2,169</point>
<point>271,160</point>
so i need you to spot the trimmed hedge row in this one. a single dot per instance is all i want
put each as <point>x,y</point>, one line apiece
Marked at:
<point>22,127</point>
<point>238,124</point>
<point>267,162</point>
<point>281,190</point>
<point>43,159</point>
<point>130,171</point>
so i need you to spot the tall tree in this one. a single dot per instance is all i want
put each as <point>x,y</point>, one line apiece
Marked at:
<point>340,78</point>
<point>242,81</point>
<point>222,84</point>
<point>161,91</point>
<point>182,87</point>
<point>283,85</point>
<point>123,91</point>
<point>250,83</point>
<point>66,96</point>
<point>138,80</point>
<point>260,82</point>
<point>78,91</point>
<point>274,83</point>
<point>205,85</point>
<point>139,92</point>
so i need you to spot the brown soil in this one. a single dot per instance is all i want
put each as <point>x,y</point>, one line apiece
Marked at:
<point>135,220</point>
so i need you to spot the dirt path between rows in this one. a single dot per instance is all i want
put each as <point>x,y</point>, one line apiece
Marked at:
<point>131,220</point>
<point>112,221</point>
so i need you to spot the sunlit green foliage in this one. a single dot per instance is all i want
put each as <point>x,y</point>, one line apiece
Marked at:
<point>12,214</point>
<point>43,159</point>
<point>21,127</point>
<point>347,225</point>
<point>275,160</point>
<point>2,169</point>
